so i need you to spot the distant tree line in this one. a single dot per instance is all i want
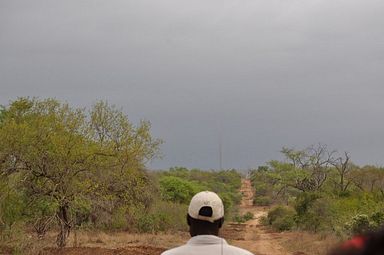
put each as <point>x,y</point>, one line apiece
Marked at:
<point>319,189</point>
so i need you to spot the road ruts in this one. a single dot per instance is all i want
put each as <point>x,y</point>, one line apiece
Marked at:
<point>255,237</point>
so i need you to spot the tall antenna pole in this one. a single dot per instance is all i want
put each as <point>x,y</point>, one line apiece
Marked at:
<point>220,154</point>
<point>220,150</point>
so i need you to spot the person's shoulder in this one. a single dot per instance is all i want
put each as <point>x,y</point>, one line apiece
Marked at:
<point>239,251</point>
<point>174,251</point>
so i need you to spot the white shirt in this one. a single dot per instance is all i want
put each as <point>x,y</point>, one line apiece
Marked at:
<point>207,245</point>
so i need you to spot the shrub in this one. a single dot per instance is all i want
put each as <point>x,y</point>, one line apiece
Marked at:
<point>118,219</point>
<point>81,211</point>
<point>261,189</point>
<point>280,212</point>
<point>359,224</point>
<point>377,219</point>
<point>262,201</point>
<point>284,223</point>
<point>248,216</point>
<point>12,207</point>
<point>304,202</point>
<point>316,217</point>
<point>237,218</point>
<point>309,221</point>
<point>14,240</point>
<point>243,218</point>
<point>177,190</point>
<point>169,216</point>
<point>146,223</point>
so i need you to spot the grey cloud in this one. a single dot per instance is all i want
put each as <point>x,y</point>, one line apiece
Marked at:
<point>263,73</point>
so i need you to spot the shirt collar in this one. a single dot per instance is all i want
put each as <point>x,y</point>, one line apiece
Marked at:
<point>206,240</point>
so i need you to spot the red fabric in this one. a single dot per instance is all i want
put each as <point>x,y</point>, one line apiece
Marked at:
<point>355,243</point>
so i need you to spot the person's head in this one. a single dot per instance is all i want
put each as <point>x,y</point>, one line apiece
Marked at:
<point>205,214</point>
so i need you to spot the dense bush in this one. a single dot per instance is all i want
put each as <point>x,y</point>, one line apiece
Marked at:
<point>281,217</point>
<point>12,208</point>
<point>284,223</point>
<point>313,212</point>
<point>168,216</point>
<point>363,223</point>
<point>325,189</point>
<point>261,189</point>
<point>305,201</point>
<point>377,219</point>
<point>178,190</point>
<point>262,201</point>
<point>359,224</point>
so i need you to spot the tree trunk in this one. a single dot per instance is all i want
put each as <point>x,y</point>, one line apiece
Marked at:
<point>65,226</point>
<point>342,182</point>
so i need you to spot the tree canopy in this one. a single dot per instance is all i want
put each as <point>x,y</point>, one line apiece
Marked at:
<point>66,159</point>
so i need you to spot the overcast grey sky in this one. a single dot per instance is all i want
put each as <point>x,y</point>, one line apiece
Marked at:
<point>261,74</point>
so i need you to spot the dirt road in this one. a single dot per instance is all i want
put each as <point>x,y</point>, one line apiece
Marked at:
<point>256,238</point>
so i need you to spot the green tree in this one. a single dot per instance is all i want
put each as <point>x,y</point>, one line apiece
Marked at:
<point>62,156</point>
<point>178,190</point>
<point>343,167</point>
<point>315,161</point>
<point>122,183</point>
<point>369,179</point>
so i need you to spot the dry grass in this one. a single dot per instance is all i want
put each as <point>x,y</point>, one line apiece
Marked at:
<point>293,242</point>
<point>308,243</point>
<point>122,239</point>
<point>115,240</point>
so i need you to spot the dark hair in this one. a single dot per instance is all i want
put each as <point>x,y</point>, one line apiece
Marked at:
<point>375,243</point>
<point>202,227</point>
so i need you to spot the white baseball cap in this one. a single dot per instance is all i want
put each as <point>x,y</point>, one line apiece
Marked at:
<point>206,205</point>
